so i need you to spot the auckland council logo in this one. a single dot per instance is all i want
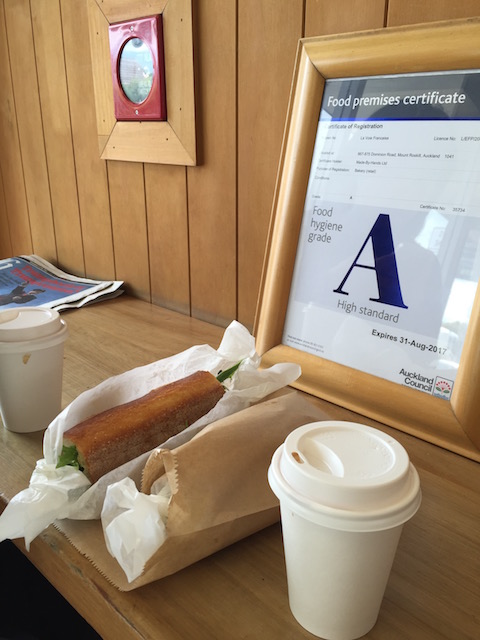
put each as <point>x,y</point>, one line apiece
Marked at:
<point>442,388</point>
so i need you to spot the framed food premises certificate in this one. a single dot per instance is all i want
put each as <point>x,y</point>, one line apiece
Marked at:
<point>373,258</point>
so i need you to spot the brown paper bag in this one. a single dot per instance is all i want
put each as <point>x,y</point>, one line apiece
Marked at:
<point>220,491</point>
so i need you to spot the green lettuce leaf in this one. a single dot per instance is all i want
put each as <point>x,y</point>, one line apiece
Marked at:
<point>69,457</point>
<point>228,373</point>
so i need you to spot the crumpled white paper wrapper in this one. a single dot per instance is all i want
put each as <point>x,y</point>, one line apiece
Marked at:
<point>134,525</point>
<point>67,493</point>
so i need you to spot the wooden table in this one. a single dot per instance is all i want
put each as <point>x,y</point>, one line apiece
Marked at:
<point>240,592</point>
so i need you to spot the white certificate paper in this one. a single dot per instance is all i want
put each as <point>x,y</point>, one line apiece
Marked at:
<point>388,257</point>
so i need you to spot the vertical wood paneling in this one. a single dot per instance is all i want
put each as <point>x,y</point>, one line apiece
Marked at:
<point>411,11</point>
<point>324,17</point>
<point>188,239</point>
<point>268,33</point>
<point>91,173</point>
<point>30,128</point>
<point>48,39</point>
<point>166,198</point>
<point>14,198</point>
<point>5,243</point>
<point>129,224</point>
<point>212,185</point>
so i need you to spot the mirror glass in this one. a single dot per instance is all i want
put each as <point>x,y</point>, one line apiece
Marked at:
<point>136,70</point>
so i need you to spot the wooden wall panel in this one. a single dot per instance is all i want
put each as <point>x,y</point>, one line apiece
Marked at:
<point>5,243</point>
<point>190,239</point>
<point>324,17</point>
<point>268,34</point>
<point>167,216</point>
<point>91,172</point>
<point>52,80</point>
<point>30,128</point>
<point>129,224</point>
<point>411,11</point>
<point>211,186</point>
<point>14,197</point>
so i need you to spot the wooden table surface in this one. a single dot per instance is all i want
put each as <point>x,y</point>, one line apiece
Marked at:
<point>240,592</point>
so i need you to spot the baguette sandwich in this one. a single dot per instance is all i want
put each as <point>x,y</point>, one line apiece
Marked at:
<point>111,438</point>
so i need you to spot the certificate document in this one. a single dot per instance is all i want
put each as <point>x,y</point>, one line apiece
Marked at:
<point>388,256</point>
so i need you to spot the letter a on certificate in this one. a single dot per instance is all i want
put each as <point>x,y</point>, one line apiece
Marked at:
<point>389,291</point>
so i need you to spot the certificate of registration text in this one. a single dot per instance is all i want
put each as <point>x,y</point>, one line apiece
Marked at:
<point>388,256</point>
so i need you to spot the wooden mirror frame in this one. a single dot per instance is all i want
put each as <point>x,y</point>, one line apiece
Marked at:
<point>163,142</point>
<point>442,46</point>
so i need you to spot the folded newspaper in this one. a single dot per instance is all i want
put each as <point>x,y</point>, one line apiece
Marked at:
<point>33,281</point>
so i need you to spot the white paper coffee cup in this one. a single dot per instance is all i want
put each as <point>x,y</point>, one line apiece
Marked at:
<point>345,491</point>
<point>31,367</point>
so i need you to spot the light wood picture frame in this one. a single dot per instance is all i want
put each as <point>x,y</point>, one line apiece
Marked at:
<point>167,142</point>
<point>436,47</point>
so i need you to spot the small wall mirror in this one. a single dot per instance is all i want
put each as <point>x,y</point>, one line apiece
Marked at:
<point>136,70</point>
<point>162,128</point>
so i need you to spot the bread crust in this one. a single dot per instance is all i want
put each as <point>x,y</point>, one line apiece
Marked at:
<point>111,438</point>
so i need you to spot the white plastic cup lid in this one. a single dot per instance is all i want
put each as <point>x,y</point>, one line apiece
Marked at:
<point>28,323</point>
<point>346,472</point>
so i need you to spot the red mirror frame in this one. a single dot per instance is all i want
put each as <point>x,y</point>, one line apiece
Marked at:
<point>149,31</point>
